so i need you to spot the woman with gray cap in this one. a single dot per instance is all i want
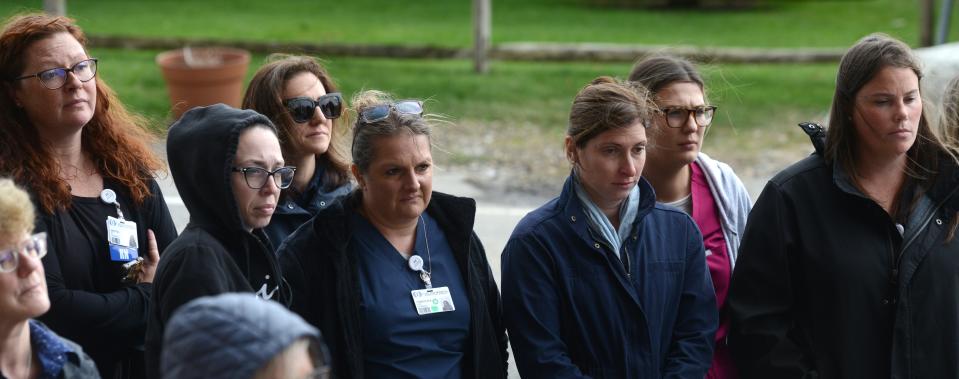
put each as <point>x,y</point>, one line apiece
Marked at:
<point>229,171</point>
<point>239,336</point>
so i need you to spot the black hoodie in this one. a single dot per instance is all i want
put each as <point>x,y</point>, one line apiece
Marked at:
<point>214,254</point>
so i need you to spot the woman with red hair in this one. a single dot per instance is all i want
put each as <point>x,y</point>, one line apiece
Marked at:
<point>86,162</point>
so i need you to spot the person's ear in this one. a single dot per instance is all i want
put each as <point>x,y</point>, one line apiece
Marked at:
<point>571,153</point>
<point>358,176</point>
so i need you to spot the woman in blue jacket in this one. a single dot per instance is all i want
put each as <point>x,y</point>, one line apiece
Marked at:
<point>301,99</point>
<point>602,282</point>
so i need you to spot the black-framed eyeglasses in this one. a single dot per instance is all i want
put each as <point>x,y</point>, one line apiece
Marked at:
<point>302,109</point>
<point>257,177</point>
<point>35,246</point>
<point>676,116</point>
<point>382,111</point>
<point>55,78</point>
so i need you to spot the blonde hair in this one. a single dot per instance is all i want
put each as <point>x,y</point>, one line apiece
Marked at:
<point>282,364</point>
<point>16,211</point>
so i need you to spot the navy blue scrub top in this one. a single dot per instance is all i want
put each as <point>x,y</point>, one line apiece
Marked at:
<point>398,342</point>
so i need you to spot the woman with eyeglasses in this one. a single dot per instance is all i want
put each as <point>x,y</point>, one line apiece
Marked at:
<point>301,98</point>
<point>229,171</point>
<point>686,178</point>
<point>88,164</point>
<point>848,265</point>
<point>393,274</point>
<point>28,349</point>
<point>602,282</point>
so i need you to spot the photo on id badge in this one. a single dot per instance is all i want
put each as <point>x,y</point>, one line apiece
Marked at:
<point>122,236</point>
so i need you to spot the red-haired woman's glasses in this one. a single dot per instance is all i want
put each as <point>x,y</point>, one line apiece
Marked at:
<point>55,78</point>
<point>35,246</point>
<point>676,116</point>
<point>302,109</point>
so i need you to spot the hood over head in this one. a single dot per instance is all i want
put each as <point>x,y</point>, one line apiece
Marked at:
<point>201,147</point>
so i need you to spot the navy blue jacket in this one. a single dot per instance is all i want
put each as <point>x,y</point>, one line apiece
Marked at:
<point>293,210</point>
<point>572,310</point>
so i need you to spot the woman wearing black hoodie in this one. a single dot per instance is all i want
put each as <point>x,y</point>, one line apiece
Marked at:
<point>229,171</point>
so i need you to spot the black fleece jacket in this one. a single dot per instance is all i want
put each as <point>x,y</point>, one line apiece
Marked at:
<point>214,254</point>
<point>320,268</point>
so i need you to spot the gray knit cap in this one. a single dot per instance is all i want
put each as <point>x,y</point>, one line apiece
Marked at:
<point>228,336</point>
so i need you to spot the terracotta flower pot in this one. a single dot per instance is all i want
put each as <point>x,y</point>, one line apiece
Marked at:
<point>203,76</point>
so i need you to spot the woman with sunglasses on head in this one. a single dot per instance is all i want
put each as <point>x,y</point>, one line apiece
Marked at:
<point>300,97</point>
<point>849,259</point>
<point>229,171</point>
<point>602,282</point>
<point>88,164</point>
<point>686,178</point>
<point>28,349</point>
<point>393,274</point>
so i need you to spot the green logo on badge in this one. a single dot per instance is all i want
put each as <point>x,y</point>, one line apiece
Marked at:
<point>435,301</point>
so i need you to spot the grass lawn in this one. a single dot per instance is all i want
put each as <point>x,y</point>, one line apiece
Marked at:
<point>779,23</point>
<point>514,93</point>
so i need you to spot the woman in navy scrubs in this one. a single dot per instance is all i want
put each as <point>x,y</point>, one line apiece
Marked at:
<point>393,274</point>
<point>602,282</point>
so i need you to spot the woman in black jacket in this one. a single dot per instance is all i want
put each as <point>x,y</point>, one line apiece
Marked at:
<point>229,171</point>
<point>393,274</point>
<point>302,100</point>
<point>848,263</point>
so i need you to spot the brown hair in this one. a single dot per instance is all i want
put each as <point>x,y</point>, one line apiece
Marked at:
<point>656,72</point>
<point>265,95</point>
<point>858,66</point>
<point>114,138</point>
<point>605,104</point>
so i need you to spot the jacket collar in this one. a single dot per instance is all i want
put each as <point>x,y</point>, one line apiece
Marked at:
<point>455,215</point>
<point>573,211</point>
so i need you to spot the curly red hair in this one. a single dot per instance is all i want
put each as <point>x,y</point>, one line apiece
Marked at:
<point>114,138</point>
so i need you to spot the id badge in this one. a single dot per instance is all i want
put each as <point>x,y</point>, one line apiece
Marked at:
<point>122,236</point>
<point>433,300</point>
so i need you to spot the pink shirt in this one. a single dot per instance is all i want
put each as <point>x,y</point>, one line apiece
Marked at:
<point>706,216</point>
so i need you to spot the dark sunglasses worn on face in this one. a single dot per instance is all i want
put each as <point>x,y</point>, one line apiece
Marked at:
<point>676,116</point>
<point>302,109</point>
<point>257,177</point>
<point>381,112</point>
<point>35,246</point>
<point>55,78</point>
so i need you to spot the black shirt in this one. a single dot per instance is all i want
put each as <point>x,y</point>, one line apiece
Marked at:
<point>89,303</point>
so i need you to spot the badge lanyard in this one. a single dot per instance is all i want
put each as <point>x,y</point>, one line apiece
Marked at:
<point>430,300</point>
<point>416,262</point>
